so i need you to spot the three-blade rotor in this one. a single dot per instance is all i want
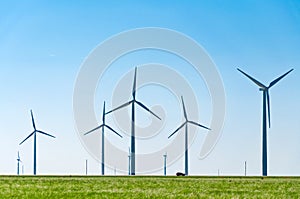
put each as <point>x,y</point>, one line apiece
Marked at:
<point>187,121</point>
<point>134,99</point>
<point>265,89</point>
<point>103,124</point>
<point>35,130</point>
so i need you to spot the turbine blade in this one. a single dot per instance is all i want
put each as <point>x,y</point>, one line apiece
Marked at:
<point>254,80</point>
<point>184,110</point>
<point>98,127</point>
<point>279,78</point>
<point>195,123</point>
<point>27,137</point>
<point>134,83</point>
<point>119,107</point>
<point>18,155</point>
<point>33,123</point>
<point>182,125</point>
<point>45,133</point>
<point>269,110</point>
<point>113,130</point>
<point>147,109</point>
<point>103,114</point>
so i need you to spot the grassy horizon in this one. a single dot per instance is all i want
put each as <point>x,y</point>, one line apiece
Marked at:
<point>148,187</point>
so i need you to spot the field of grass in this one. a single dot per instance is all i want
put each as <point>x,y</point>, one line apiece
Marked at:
<point>148,187</point>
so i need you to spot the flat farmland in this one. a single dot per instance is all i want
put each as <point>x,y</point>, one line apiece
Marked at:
<point>148,187</point>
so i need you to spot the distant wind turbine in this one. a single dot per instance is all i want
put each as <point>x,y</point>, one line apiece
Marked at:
<point>133,102</point>
<point>18,165</point>
<point>102,126</point>
<point>86,167</point>
<point>34,141</point>
<point>165,164</point>
<point>186,133</point>
<point>266,107</point>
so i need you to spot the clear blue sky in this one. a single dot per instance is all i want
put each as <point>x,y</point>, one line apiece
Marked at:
<point>42,45</point>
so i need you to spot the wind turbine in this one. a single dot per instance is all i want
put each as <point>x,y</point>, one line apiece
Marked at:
<point>133,102</point>
<point>102,126</point>
<point>18,165</point>
<point>185,124</point>
<point>86,167</point>
<point>165,164</point>
<point>34,141</point>
<point>266,107</point>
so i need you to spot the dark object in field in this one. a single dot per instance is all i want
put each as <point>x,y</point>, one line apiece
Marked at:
<point>180,174</point>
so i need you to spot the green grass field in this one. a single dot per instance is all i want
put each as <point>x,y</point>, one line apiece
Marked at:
<point>148,187</point>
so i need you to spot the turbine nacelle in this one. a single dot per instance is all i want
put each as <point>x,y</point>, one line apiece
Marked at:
<point>263,89</point>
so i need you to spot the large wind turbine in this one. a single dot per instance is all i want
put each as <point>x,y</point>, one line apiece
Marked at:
<point>185,124</point>
<point>102,126</point>
<point>133,102</point>
<point>266,107</point>
<point>34,141</point>
<point>18,164</point>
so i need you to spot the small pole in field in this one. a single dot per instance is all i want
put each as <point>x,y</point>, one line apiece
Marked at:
<point>245,168</point>
<point>22,169</point>
<point>129,161</point>
<point>218,172</point>
<point>86,167</point>
<point>165,164</point>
